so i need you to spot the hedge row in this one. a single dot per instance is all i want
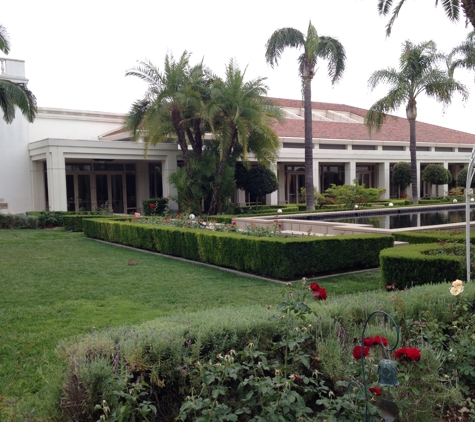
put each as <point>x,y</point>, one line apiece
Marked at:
<point>433,236</point>
<point>281,258</point>
<point>411,265</point>
<point>74,222</point>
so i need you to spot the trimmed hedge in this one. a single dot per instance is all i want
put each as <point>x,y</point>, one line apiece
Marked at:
<point>432,237</point>
<point>264,209</point>
<point>410,265</point>
<point>74,222</point>
<point>281,258</point>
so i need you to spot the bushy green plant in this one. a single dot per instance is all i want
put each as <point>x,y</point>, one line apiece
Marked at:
<point>27,222</point>
<point>355,194</point>
<point>253,383</point>
<point>155,206</point>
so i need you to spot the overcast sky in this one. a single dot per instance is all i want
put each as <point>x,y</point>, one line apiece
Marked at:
<point>76,53</point>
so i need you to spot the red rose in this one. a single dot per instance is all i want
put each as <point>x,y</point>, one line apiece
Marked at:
<point>152,205</point>
<point>320,294</point>
<point>376,391</point>
<point>380,340</point>
<point>368,341</point>
<point>400,353</point>
<point>357,352</point>
<point>314,286</point>
<point>413,354</point>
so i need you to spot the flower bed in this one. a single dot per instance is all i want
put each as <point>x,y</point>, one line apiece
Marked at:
<point>295,360</point>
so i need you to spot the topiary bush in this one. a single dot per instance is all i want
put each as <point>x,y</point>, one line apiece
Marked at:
<point>413,265</point>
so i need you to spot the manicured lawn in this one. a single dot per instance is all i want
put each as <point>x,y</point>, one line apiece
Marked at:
<point>55,284</point>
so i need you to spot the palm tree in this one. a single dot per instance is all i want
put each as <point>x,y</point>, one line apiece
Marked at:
<point>463,56</point>
<point>314,47</point>
<point>451,8</point>
<point>171,107</point>
<point>14,94</point>
<point>241,116</point>
<point>418,73</point>
<point>185,102</point>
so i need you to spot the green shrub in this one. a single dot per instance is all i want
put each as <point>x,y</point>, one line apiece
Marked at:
<point>27,222</point>
<point>155,206</point>
<point>281,258</point>
<point>8,221</point>
<point>412,265</point>
<point>355,194</point>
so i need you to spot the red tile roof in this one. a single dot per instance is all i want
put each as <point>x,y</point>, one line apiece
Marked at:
<point>395,128</point>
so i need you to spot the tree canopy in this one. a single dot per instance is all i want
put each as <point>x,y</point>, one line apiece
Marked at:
<point>187,103</point>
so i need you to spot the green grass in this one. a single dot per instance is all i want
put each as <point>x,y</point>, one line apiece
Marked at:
<point>56,284</point>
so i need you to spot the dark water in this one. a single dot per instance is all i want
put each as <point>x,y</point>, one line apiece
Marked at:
<point>399,221</point>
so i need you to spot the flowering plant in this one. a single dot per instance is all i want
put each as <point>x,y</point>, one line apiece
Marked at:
<point>408,354</point>
<point>318,292</point>
<point>457,288</point>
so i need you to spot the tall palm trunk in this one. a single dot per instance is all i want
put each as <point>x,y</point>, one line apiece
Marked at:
<point>309,195</point>
<point>411,114</point>
<point>412,149</point>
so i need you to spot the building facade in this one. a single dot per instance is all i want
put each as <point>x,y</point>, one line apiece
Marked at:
<point>71,160</point>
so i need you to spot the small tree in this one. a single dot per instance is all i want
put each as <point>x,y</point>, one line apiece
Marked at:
<point>462,179</point>
<point>401,176</point>
<point>260,181</point>
<point>435,174</point>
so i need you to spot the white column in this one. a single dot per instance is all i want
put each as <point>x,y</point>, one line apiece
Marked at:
<point>56,170</point>
<point>281,179</point>
<point>273,197</point>
<point>445,188</point>
<point>316,174</point>
<point>350,172</point>
<point>383,178</point>
<point>169,166</point>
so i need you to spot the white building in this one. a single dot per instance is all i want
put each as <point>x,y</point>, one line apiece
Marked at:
<point>71,160</point>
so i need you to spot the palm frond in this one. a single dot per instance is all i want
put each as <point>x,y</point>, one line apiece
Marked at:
<point>16,94</point>
<point>279,41</point>
<point>394,16</point>
<point>4,40</point>
<point>451,8</point>
<point>332,50</point>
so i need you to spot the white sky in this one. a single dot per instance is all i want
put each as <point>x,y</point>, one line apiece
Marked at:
<point>76,53</point>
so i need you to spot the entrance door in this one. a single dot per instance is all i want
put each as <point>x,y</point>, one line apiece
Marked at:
<point>102,192</point>
<point>295,182</point>
<point>110,193</point>
<point>78,192</point>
